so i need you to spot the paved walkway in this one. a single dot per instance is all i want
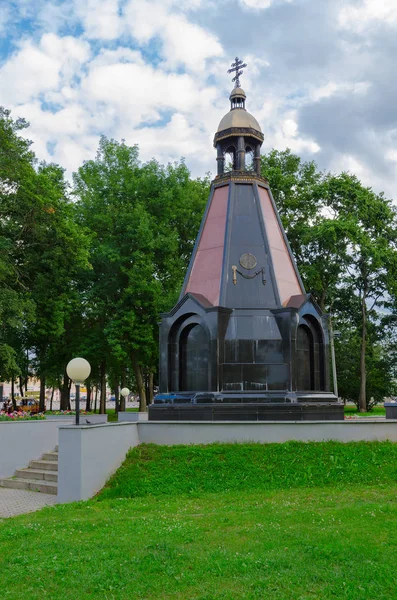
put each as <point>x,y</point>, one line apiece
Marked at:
<point>17,502</point>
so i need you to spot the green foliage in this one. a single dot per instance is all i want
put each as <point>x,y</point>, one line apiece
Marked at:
<point>144,220</point>
<point>344,238</point>
<point>42,251</point>
<point>90,276</point>
<point>380,365</point>
<point>16,181</point>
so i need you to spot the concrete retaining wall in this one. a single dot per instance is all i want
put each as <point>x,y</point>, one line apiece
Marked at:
<point>23,441</point>
<point>171,433</point>
<point>88,455</point>
<point>124,417</point>
<point>84,419</point>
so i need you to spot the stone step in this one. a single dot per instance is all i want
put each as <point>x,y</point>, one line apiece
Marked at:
<point>46,465</point>
<point>39,474</point>
<point>50,456</point>
<point>34,485</point>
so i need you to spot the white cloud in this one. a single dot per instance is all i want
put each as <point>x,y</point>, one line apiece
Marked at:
<point>116,93</point>
<point>141,91</point>
<point>183,43</point>
<point>287,136</point>
<point>280,128</point>
<point>68,131</point>
<point>365,14</point>
<point>332,87</point>
<point>262,4</point>
<point>153,72</point>
<point>257,4</point>
<point>174,140</point>
<point>101,20</point>
<point>28,73</point>
<point>36,69</point>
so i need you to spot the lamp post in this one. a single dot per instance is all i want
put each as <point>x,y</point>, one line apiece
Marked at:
<point>125,392</point>
<point>78,370</point>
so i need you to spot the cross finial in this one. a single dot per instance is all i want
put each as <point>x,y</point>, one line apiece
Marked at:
<point>237,66</point>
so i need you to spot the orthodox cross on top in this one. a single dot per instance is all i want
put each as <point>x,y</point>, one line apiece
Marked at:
<point>237,66</point>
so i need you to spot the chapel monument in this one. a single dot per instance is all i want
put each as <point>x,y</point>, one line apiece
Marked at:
<point>245,341</point>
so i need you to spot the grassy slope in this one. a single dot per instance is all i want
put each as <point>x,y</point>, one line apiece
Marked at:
<point>193,470</point>
<point>212,522</point>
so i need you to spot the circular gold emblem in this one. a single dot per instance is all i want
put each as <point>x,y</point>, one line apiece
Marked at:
<point>248,261</point>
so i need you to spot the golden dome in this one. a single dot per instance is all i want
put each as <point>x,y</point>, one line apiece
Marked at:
<point>238,117</point>
<point>237,92</point>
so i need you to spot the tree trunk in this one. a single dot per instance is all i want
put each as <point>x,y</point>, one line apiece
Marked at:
<point>117,396</point>
<point>42,394</point>
<point>20,381</point>
<point>322,300</point>
<point>150,386</point>
<point>27,372</point>
<point>52,398</point>
<point>123,399</point>
<point>140,384</point>
<point>65,391</point>
<point>88,402</point>
<point>102,375</point>
<point>14,402</point>
<point>362,399</point>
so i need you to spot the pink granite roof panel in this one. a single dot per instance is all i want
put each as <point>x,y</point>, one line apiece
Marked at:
<point>205,276</point>
<point>286,278</point>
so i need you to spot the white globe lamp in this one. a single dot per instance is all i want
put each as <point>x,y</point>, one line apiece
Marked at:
<point>125,392</point>
<point>78,369</point>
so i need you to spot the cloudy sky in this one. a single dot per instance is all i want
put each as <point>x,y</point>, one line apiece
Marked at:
<point>320,77</point>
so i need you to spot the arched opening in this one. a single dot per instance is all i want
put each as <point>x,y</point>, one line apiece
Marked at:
<point>249,159</point>
<point>304,358</point>
<point>310,355</point>
<point>318,353</point>
<point>193,359</point>
<point>173,351</point>
<point>230,159</point>
<point>238,102</point>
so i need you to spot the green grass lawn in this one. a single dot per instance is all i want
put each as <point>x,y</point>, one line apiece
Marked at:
<point>377,411</point>
<point>292,521</point>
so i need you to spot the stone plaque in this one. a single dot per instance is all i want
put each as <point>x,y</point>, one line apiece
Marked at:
<point>248,261</point>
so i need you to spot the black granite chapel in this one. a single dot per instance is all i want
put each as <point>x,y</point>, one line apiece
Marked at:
<point>245,341</point>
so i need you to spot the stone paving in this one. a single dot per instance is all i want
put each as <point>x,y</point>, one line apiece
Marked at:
<point>17,502</point>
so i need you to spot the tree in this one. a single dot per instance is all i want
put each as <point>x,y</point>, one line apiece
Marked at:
<point>343,236</point>
<point>43,250</point>
<point>16,177</point>
<point>371,273</point>
<point>144,220</point>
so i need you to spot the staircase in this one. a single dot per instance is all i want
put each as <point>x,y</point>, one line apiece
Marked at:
<point>40,476</point>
